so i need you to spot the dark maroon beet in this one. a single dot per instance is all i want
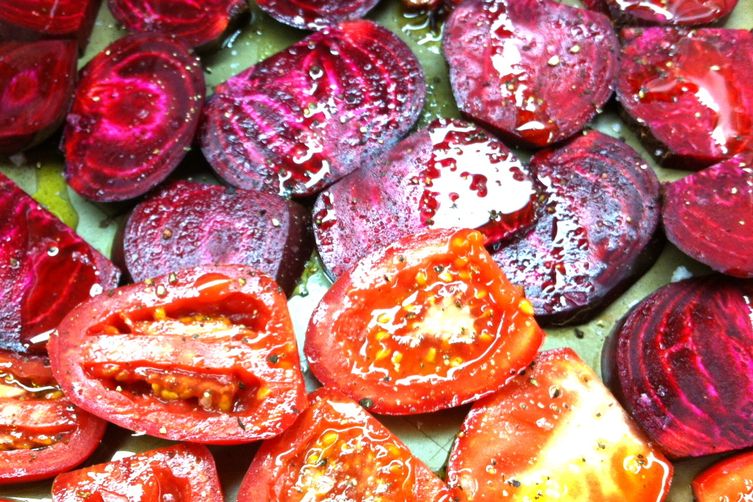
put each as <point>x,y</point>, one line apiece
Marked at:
<point>307,116</point>
<point>535,70</point>
<point>689,91</point>
<point>198,23</point>
<point>709,215</point>
<point>133,118</point>
<point>450,175</point>
<point>315,14</point>
<point>45,270</point>
<point>37,19</point>
<point>596,231</point>
<point>667,12</point>
<point>681,362</point>
<point>36,86</point>
<point>189,224</point>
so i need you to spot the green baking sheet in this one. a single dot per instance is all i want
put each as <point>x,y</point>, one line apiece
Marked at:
<point>430,436</point>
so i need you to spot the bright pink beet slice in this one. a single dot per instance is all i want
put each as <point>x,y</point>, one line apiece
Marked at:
<point>665,12</point>
<point>315,14</point>
<point>681,362</point>
<point>596,232</point>
<point>449,175</point>
<point>689,92</point>
<point>189,224</point>
<point>37,19</point>
<point>709,215</point>
<point>309,115</point>
<point>535,70</point>
<point>45,270</point>
<point>36,86</point>
<point>133,118</point>
<point>198,23</point>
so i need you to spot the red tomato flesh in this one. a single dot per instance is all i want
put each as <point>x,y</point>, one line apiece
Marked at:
<point>729,480</point>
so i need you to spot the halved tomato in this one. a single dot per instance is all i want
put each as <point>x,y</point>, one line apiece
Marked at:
<point>205,355</point>
<point>337,451</point>
<point>179,473</point>
<point>729,480</point>
<point>427,323</point>
<point>41,432</point>
<point>555,433</point>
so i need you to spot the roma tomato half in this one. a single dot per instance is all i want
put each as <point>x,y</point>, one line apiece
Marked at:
<point>729,480</point>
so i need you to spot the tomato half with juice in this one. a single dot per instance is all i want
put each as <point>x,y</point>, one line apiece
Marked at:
<point>337,451</point>
<point>204,355</point>
<point>728,480</point>
<point>427,323</point>
<point>41,432</point>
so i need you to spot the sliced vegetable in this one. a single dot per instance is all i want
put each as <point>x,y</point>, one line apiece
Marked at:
<point>36,19</point>
<point>535,70</point>
<point>205,355</point>
<point>729,480</point>
<point>449,175</point>
<point>307,116</point>
<point>315,14</point>
<point>427,323</point>
<point>596,233</point>
<point>133,118</point>
<point>674,12</point>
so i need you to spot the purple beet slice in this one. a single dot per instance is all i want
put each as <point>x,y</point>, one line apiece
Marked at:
<point>36,86</point>
<point>596,232</point>
<point>315,14</point>
<point>709,215</point>
<point>664,12</point>
<point>198,23</point>
<point>133,117</point>
<point>535,70</point>
<point>26,20</point>
<point>690,92</point>
<point>45,270</point>
<point>449,175</point>
<point>681,362</point>
<point>189,224</point>
<point>307,116</point>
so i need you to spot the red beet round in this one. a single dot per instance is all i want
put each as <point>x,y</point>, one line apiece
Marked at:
<point>690,92</point>
<point>682,364</point>
<point>709,215</point>
<point>38,19</point>
<point>45,270</point>
<point>198,23</point>
<point>133,118</point>
<point>450,175</point>
<point>36,86</point>
<point>535,70</point>
<point>309,115</point>
<point>190,224</point>
<point>315,14</point>
<point>667,12</point>
<point>596,231</point>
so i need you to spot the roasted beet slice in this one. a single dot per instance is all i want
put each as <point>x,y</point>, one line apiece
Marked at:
<point>134,115</point>
<point>315,14</point>
<point>190,224</point>
<point>689,91</point>
<point>596,232</point>
<point>668,12</point>
<point>313,113</point>
<point>45,270</point>
<point>535,70</point>
<point>709,215</point>
<point>450,175</point>
<point>198,23</point>
<point>37,19</point>
<point>36,86</point>
<point>682,363</point>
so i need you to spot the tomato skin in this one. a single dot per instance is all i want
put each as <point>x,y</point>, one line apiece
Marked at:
<point>728,480</point>
<point>182,472</point>
<point>283,461</point>
<point>25,465</point>
<point>473,331</point>
<point>214,328</point>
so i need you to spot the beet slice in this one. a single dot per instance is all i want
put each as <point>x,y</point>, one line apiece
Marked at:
<point>664,12</point>
<point>449,175</point>
<point>596,232</point>
<point>26,20</point>
<point>682,364</point>
<point>45,270</point>
<point>535,70</point>
<point>198,23</point>
<point>189,224</point>
<point>133,118</point>
<point>709,214</point>
<point>315,14</point>
<point>690,92</point>
<point>36,86</point>
<point>309,115</point>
